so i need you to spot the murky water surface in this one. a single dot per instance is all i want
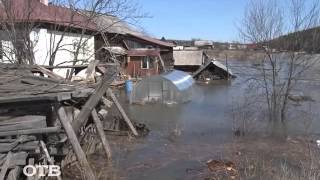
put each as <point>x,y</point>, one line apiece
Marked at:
<point>183,137</point>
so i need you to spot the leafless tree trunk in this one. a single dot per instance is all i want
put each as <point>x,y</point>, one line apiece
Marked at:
<point>23,46</point>
<point>264,22</point>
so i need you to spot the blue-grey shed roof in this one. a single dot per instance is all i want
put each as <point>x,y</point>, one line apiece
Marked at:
<point>180,79</point>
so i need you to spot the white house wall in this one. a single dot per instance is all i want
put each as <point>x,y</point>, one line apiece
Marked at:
<point>7,47</point>
<point>44,40</point>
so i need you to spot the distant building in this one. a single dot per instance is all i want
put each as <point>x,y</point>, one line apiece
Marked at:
<point>188,60</point>
<point>204,44</point>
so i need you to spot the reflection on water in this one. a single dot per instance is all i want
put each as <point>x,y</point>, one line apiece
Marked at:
<point>183,136</point>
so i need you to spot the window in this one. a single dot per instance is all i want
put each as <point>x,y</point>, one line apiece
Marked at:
<point>147,63</point>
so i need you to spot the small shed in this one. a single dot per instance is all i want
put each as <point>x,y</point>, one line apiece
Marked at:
<point>213,70</point>
<point>170,87</point>
<point>188,60</point>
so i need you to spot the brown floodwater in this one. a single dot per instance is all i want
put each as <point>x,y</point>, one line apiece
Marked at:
<point>184,137</point>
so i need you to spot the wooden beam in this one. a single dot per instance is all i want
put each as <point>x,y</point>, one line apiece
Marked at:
<point>31,162</point>
<point>78,66</point>
<point>14,174</point>
<point>123,113</point>
<point>49,130</point>
<point>100,130</point>
<point>162,64</point>
<point>46,152</point>
<point>5,166</point>
<point>75,144</point>
<point>94,99</point>
<point>49,73</point>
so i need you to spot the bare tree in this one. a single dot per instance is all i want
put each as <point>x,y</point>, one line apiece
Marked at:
<point>264,22</point>
<point>20,29</point>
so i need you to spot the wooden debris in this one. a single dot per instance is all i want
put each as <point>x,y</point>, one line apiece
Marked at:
<point>100,130</point>
<point>5,166</point>
<point>46,152</point>
<point>123,113</point>
<point>31,161</point>
<point>14,174</point>
<point>48,130</point>
<point>18,159</point>
<point>22,123</point>
<point>24,95</point>
<point>75,144</point>
<point>94,99</point>
<point>49,73</point>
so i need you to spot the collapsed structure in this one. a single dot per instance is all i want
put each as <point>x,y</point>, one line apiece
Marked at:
<point>44,119</point>
<point>200,65</point>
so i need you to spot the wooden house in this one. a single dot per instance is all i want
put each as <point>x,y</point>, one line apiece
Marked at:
<point>144,55</point>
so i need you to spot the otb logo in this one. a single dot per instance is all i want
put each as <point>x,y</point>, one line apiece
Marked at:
<point>42,170</point>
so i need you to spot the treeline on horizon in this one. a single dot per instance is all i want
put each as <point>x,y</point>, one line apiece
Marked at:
<point>307,41</point>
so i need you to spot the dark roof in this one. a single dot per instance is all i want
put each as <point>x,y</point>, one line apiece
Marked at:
<point>113,24</point>
<point>35,11</point>
<point>143,52</point>
<point>152,40</point>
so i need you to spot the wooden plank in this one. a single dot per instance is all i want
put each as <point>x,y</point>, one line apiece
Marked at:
<point>106,102</point>
<point>14,174</point>
<point>23,123</point>
<point>18,159</point>
<point>46,152</point>
<point>31,162</point>
<point>162,64</point>
<point>49,73</point>
<point>102,136</point>
<point>21,119</point>
<point>75,144</point>
<point>6,147</point>
<point>123,113</point>
<point>5,166</point>
<point>91,70</point>
<point>48,130</point>
<point>94,99</point>
<point>79,66</point>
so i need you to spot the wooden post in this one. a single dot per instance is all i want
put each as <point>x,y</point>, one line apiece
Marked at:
<point>75,144</point>
<point>94,99</point>
<point>123,113</point>
<point>100,130</point>
<point>46,152</point>
<point>227,67</point>
<point>162,64</point>
<point>14,173</point>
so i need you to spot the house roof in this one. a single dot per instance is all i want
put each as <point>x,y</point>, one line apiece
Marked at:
<point>113,24</point>
<point>217,64</point>
<point>152,40</point>
<point>35,11</point>
<point>188,58</point>
<point>143,52</point>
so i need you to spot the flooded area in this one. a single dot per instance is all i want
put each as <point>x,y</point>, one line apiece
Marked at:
<point>184,137</point>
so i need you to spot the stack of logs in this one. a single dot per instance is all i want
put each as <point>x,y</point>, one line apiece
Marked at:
<point>41,116</point>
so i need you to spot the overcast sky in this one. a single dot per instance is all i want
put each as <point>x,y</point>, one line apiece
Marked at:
<point>185,19</point>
